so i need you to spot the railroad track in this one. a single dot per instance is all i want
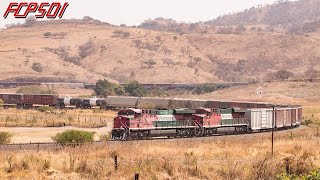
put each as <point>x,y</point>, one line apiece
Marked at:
<point>58,146</point>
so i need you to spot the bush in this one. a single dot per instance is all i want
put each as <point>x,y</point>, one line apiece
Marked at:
<point>104,88</point>
<point>121,34</point>
<point>47,34</point>
<point>307,122</point>
<point>134,88</point>
<point>74,136</point>
<point>206,88</point>
<point>157,92</point>
<point>37,67</point>
<point>5,137</point>
<point>282,75</point>
<point>87,49</point>
<point>149,63</point>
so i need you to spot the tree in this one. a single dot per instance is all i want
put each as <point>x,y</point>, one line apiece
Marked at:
<point>134,88</point>
<point>104,88</point>
<point>31,20</point>
<point>87,18</point>
<point>150,63</point>
<point>37,67</point>
<point>206,88</point>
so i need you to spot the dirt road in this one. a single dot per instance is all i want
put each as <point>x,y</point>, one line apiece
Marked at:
<point>35,135</point>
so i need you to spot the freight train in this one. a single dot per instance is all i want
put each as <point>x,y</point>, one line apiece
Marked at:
<point>119,102</point>
<point>142,124</point>
<point>145,117</point>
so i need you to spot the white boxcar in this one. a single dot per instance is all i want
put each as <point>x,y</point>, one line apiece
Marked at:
<point>121,102</point>
<point>260,119</point>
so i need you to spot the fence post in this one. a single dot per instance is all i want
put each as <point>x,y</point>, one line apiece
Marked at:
<point>38,147</point>
<point>287,166</point>
<point>115,162</point>
<point>272,141</point>
<point>136,176</point>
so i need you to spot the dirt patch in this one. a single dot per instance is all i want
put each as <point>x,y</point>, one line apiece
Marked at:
<point>34,135</point>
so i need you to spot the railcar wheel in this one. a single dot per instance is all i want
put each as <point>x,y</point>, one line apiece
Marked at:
<point>198,132</point>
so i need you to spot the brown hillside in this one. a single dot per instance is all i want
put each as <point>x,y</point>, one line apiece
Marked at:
<point>302,15</point>
<point>81,51</point>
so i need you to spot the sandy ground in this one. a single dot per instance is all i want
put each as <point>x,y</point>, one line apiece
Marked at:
<point>34,135</point>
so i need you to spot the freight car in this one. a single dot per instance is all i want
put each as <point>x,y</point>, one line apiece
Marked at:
<point>11,99</point>
<point>28,100</point>
<point>69,102</point>
<point>39,99</point>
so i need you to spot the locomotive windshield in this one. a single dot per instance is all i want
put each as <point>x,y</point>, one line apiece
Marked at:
<point>126,113</point>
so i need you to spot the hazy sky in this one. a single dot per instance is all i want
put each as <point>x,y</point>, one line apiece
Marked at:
<point>133,12</point>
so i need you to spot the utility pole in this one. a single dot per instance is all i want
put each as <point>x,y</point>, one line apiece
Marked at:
<point>272,133</point>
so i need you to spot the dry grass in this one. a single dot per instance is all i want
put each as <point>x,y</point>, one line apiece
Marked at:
<point>76,118</point>
<point>237,157</point>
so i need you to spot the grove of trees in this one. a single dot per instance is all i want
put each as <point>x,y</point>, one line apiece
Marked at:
<point>105,88</point>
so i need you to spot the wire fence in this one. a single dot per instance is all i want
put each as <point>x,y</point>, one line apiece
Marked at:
<point>53,120</point>
<point>190,142</point>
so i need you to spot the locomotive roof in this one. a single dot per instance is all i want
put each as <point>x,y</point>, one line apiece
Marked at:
<point>135,110</point>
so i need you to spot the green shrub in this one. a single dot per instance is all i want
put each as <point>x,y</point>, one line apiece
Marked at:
<point>37,67</point>
<point>74,136</point>
<point>5,137</point>
<point>307,122</point>
<point>105,88</point>
<point>207,88</point>
<point>315,174</point>
<point>134,88</point>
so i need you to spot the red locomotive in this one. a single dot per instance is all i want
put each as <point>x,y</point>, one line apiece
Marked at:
<point>142,124</point>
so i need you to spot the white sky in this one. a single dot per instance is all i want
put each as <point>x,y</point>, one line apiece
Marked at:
<point>133,12</point>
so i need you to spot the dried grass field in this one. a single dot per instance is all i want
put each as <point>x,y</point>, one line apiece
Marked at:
<point>222,157</point>
<point>231,157</point>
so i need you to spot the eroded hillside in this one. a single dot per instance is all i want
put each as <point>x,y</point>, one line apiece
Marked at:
<point>82,51</point>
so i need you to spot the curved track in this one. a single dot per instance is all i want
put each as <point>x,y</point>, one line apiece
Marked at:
<point>57,146</point>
